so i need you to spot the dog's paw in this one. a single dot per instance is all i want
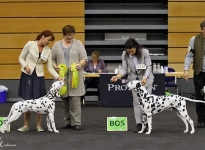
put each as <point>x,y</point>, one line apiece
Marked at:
<point>192,132</point>
<point>2,131</point>
<point>56,131</point>
<point>148,133</point>
<point>185,131</point>
<point>50,130</point>
<point>141,131</point>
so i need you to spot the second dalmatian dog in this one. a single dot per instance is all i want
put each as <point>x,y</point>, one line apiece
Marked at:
<point>44,105</point>
<point>152,104</point>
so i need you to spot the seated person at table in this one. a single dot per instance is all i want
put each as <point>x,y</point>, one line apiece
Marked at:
<point>94,65</point>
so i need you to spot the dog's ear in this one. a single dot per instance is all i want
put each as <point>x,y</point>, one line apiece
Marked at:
<point>57,94</point>
<point>138,85</point>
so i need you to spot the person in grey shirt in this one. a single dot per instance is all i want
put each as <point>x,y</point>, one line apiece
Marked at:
<point>195,54</point>
<point>71,51</point>
<point>133,58</point>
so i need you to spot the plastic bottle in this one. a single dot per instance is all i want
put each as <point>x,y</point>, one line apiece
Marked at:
<point>154,68</point>
<point>158,68</point>
<point>162,69</point>
<point>165,69</point>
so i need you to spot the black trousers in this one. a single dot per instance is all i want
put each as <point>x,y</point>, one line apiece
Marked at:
<point>199,83</point>
<point>92,83</point>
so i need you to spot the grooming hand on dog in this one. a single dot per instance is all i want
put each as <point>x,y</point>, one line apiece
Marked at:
<point>44,105</point>
<point>153,104</point>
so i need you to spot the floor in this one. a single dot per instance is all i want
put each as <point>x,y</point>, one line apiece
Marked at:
<point>167,132</point>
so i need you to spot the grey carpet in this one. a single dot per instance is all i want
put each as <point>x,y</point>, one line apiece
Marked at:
<point>167,132</point>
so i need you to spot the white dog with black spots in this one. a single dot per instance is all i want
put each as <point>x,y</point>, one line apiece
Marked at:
<point>44,105</point>
<point>153,104</point>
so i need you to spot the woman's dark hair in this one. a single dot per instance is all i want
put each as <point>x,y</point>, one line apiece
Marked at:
<point>46,33</point>
<point>132,43</point>
<point>68,29</point>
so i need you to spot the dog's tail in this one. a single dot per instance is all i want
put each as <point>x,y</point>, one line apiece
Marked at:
<point>194,100</point>
<point>10,112</point>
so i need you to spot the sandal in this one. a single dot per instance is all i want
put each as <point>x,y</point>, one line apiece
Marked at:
<point>39,129</point>
<point>24,128</point>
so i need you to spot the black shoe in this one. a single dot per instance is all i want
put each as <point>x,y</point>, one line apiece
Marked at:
<point>200,125</point>
<point>138,128</point>
<point>77,127</point>
<point>68,126</point>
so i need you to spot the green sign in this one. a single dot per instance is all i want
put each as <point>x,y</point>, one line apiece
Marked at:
<point>167,93</point>
<point>1,123</point>
<point>117,124</point>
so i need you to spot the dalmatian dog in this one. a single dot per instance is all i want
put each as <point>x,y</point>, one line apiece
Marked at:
<point>153,104</point>
<point>44,105</point>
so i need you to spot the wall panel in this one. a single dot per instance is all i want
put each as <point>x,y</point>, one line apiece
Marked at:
<point>22,20</point>
<point>174,52</point>
<point>186,24</point>
<point>41,0</point>
<point>19,40</point>
<point>9,56</point>
<point>179,39</point>
<point>42,9</point>
<point>10,71</point>
<point>186,0</point>
<point>32,25</point>
<point>184,18</point>
<point>188,9</point>
<point>12,45</point>
<point>14,72</point>
<point>179,67</point>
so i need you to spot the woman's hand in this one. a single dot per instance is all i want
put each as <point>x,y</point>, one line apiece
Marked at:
<point>28,70</point>
<point>144,81</point>
<point>100,71</point>
<point>57,69</point>
<point>60,78</point>
<point>114,79</point>
<point>78,66</point>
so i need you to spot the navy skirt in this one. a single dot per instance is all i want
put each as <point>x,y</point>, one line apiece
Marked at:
<point>31,86</point>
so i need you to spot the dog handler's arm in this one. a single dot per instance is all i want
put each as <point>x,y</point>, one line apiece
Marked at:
<point>115,78</point>
<point>189,58</point>
<point>51,69</point>
<point>22,58</point>
<point>144,80</point>
<point>81,64</point>
<point>124,69</point>
<point>186,75</point>
<point>56,67</point>
<point>119,76</point>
